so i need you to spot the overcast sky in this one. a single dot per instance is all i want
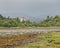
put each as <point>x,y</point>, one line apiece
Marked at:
<point>35,8</point>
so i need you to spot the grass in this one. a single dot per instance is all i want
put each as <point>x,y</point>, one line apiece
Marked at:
<point>16,39</point>
<point>42,40</point>
<point>45,40</point>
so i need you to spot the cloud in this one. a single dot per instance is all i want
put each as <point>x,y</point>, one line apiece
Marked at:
<point>30,7</point>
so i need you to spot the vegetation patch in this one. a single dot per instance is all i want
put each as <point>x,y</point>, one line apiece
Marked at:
<point>45,40</point>
<point>15,22</point>
<point>18,40</point>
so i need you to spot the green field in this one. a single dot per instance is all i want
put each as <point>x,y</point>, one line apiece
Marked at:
<point>44,40</point>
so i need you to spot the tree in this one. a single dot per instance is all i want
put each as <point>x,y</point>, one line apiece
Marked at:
<point>48,17</point>
<point>1,16</point>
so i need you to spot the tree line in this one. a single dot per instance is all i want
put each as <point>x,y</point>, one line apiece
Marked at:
<point>15,22</point>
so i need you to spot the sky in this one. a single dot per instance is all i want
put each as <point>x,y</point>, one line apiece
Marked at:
<point>35,9</point>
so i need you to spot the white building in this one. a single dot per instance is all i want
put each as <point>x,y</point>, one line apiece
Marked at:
<point>22,19</point>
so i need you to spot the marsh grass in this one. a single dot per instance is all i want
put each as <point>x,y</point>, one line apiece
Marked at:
<point>45,40</point>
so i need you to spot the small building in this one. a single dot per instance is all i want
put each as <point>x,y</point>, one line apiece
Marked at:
<point>22,19</point>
